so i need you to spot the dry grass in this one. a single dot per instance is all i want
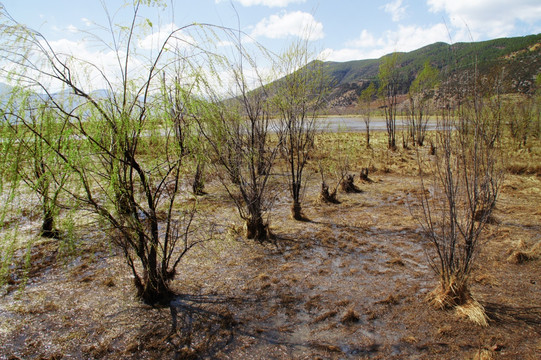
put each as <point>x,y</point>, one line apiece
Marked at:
<point>346,285</point>
<point>521,255</point>
<point>350,317</point>
<point>456,295</point>
<point>518,167</point>
<point>325,316</point>
<point>473,311</point>
<point>483,354</point>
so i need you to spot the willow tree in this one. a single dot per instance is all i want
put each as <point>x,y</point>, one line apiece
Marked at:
<point>365,99</point>
<point>297,98</point>
<point>389,85</point>
<point>125,154</point>
<point>35,128</point>
<point>461,183</point>
<point>419,102</point>
<point>238,129</point>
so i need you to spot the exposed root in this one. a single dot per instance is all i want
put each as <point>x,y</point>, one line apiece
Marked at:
<point>257,230</point>
<point>347,185</point>
<point>327,197</point>
<point>51,234</point>
<point>363,176</point>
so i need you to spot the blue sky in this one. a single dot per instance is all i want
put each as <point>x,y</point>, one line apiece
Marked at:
<point>341,29</point>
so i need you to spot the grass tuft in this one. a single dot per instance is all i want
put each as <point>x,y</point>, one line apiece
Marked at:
<point>350,317</point>
<point>473,311</point>
<point>520,257</point>
<point>483,354</point>
<point>325,316</point>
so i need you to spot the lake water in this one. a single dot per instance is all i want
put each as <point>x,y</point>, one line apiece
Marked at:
<point>356,124</point>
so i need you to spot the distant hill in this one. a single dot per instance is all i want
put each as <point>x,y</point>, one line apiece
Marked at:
<point>520,57</point>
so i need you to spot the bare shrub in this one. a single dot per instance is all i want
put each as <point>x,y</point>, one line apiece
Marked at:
<point>419,97</point>
<point>460,186</point>
<point>389,84</point>
<point>297,98</point>
<point>237,127</point>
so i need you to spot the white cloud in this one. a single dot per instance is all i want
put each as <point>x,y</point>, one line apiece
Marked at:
<point>366,39</point>
<point>395,8</point>
<point>78,55</point>
<point>269,3</point>
<point>225,44</point>
<point>487,18</point>
<point>87,22</point>
<point>296,23</point>
<point>72,29</point>
<point>406,38</point>
<point>81,50</point>
<point>156,39</point>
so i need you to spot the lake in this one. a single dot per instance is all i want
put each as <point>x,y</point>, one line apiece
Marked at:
<point>356,124</point>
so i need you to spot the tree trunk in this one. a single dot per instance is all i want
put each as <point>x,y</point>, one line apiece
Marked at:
<point>47,227</point>
<point>367,138</point>
<point>392,142</point>
<point>153,288</point>
<point>296,212</point>
<point>256,229</point>
<point>198,185</point>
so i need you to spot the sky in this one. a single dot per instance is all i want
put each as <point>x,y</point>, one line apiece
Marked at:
<point>340,30</point>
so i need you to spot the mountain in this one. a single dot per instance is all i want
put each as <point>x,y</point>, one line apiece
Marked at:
<point>519,57</point>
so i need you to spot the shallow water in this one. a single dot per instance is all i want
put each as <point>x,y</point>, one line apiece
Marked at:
<point>356,123</point>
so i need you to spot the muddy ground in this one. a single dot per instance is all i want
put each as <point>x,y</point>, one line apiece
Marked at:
<point>350,283</point>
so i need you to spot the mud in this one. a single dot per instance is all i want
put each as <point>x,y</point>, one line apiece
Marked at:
<point>350,283</point>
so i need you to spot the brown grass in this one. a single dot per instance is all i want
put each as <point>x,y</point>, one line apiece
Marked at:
<point>521,255</point>
<point>483,354</point>
<point>325,347</point>
<point>522,168</point>
<point>457,295</point>
<point>350,317</point>
<point>308,284</point>
<point>389,300</point>
<point>326,315</point>
<point>473,311</point>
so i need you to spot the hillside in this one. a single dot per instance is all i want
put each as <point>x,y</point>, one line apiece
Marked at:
<point>519,56</point>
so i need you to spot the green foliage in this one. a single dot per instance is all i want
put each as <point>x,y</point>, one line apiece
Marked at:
<point>368,94</point>
<point>425,80</point>
<point>123,155</point>
<point>517,54</point>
